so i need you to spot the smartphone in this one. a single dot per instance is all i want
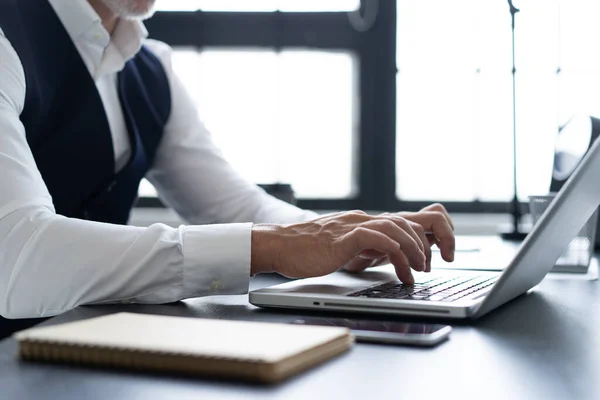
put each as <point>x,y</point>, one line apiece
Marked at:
<point>405,333</point>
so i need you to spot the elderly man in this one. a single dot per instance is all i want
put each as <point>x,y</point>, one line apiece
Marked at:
<point>88,107</point>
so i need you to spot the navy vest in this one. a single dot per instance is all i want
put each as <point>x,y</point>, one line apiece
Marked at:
<point>65,122</point>
<point>66,125</point>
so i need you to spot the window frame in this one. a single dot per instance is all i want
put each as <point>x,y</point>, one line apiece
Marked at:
<point>375,52</point>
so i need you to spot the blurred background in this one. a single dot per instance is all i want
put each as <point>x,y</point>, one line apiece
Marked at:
<point>385,105</point>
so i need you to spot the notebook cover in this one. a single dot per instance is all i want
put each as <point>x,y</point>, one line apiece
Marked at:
<point>254,351</point>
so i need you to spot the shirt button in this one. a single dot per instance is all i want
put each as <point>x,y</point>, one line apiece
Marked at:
<point>216,285</point>
<point>111,186</point>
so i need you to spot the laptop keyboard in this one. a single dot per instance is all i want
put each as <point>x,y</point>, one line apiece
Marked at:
<point>436,289</point>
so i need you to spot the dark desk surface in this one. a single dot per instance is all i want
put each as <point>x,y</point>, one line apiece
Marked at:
<point>544,345</point>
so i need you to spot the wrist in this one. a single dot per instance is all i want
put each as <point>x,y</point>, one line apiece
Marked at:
<point>265,248</point>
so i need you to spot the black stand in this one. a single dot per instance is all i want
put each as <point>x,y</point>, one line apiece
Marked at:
<point>515,206</point>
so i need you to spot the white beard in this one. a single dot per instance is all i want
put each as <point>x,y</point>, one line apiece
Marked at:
<point>131,8</point>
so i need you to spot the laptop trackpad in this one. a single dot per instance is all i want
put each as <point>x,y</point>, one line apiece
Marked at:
<point>339,283</point>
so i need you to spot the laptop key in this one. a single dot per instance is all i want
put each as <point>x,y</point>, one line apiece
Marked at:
<point>436,297</point>
<point>466,292</point>
<point>427,291</point>
<point>415,297</point>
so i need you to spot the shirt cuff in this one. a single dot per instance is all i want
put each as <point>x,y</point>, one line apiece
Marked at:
<point>216,259</point>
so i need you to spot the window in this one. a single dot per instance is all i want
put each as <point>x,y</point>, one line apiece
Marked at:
<point>416,99</point>
<point>268,110</point>
<point>454,107</point>
<point>454,101</point>
<point>272,88</point>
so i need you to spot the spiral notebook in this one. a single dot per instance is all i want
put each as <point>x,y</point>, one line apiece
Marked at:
<point>251,351</point>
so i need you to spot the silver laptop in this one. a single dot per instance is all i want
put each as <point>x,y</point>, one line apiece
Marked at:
<point>453,293</point>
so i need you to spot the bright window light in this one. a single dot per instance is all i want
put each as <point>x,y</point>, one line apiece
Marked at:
<point>454,121</point>
<point>272,112</point>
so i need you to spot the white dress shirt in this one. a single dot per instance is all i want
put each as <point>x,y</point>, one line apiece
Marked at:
<point>50,264</point>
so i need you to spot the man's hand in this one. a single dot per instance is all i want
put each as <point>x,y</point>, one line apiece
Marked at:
<point>436,222</point>
<point>354,241</point>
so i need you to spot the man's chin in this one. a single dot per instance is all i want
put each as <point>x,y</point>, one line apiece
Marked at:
<point>132,9</point>
<point>139,16</point>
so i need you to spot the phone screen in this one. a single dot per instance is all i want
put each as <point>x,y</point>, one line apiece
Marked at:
<point>385,331</point>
